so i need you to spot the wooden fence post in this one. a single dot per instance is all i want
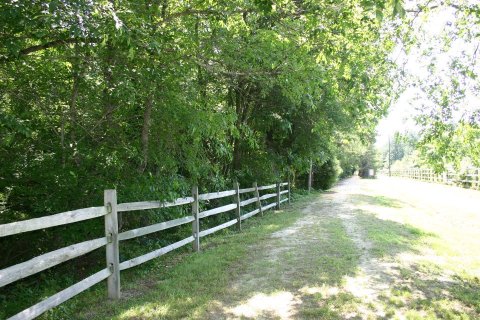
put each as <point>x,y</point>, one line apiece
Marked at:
<point>112,250</point>
<point>236,187</point>
<point>257,195</point>
<point>278,195</point>
<point>310,176</point>
<point>288,191</point>
<point>196,222</point>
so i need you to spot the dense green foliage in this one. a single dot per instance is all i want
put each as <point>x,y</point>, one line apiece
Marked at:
<point>151,97</point>
<point>326,174</point>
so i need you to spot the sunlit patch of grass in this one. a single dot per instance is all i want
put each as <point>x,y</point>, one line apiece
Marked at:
<point>377,200</point>
<point>390,237</point>
<point>419,315</point>
<point>335,306</point>
<point>436,279</point>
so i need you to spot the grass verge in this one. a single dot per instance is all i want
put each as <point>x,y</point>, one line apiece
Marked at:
<point>182,283</point>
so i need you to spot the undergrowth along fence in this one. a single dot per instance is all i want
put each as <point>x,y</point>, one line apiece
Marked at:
<point>113,238</point>
<point>470,178</point>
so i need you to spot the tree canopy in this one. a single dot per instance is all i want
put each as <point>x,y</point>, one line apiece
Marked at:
<point>128,94</point>
<point>151,97</point>
<point>449,108</point>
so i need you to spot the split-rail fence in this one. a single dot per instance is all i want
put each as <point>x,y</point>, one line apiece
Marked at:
<point>113,238</point>
<point>468,179</point>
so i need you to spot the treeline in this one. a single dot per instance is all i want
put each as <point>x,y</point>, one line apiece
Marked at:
<point>151,97</point>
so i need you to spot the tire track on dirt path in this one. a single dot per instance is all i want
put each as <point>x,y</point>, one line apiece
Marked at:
<point>284,271</point>
<point>374,276</point>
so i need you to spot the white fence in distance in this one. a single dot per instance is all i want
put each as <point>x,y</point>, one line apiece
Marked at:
<point>468,179</point>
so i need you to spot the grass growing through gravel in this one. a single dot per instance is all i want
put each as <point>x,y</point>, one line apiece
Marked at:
<point>180,284</point>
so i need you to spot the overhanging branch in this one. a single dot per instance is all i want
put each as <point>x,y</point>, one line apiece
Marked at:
<point>44,46</point>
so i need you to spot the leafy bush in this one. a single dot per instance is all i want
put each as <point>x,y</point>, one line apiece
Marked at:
<point>326,174</point>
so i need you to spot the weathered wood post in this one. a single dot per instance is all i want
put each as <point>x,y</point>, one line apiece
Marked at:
<point>196,222</point>
<point>278,196</point>
<point>257,195</point>
<point>236,187</point>
<point>310,176</point>
<point>112,250</point>
<point>288,191</point>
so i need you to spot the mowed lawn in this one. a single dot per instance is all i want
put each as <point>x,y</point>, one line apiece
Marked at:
<point>367,249</point>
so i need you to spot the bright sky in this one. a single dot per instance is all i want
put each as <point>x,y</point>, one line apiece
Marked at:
<point>402,112</point>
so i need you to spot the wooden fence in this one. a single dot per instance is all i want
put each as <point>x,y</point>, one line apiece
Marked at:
<point>468,179</point>
<point>112,238</point>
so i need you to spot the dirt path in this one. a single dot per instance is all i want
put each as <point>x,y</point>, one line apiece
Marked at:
<point>285,272</point>
<point>348,257</point>
<point>373,276</point>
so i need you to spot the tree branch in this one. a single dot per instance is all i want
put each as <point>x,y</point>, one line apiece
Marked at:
<point>46,45</point>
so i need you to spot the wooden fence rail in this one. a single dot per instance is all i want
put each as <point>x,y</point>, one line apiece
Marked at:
<point>467,179</point>
<point>112,238</point>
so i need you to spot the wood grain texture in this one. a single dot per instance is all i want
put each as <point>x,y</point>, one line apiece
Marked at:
<point>62,296</point>
<point>268,196</point>
<point>267,187</point>
<point>278,196</point>
<point>250,214</point>
<point>217,228</point>
<point>196,220</point>
<point>257,195</point>
<point>238,207</point>
<point>218,210</point>
<point>134,233</point>
<point>48,260</point>
<point>247,202</point>
<point>247,190</point>
<point>112,250</point>
<point>51,221</point>
<point>154,254</point>
<point>271,205</point>
<point>216,195</point>
<point>145,205</point>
